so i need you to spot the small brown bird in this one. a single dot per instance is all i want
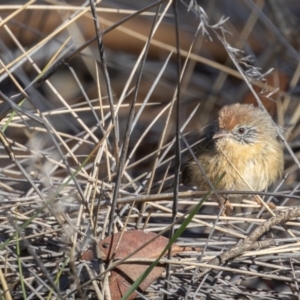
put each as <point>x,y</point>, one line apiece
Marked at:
<point>244,144</point>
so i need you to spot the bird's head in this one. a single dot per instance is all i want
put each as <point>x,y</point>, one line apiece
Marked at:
<point>245,124</point>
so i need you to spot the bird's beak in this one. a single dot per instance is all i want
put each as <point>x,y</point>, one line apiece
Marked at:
<point>221,134</point>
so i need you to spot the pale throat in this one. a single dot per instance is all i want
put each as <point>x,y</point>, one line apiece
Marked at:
<point>232,149</point>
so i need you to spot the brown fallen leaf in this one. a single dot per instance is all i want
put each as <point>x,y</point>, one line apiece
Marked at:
<point>124,275</point>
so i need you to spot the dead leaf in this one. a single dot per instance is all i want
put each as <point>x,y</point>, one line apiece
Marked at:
<point>124,275</point>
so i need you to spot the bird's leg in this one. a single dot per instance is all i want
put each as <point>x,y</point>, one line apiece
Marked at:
<point>258,201</point>
<point>224,201</point>
<point>228,207</point>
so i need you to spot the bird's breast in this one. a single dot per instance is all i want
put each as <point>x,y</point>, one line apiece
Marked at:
<point>247,166</point>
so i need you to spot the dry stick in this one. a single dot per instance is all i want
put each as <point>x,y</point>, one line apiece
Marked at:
<point>294,276</point>
<point>6,292</point>
<point>20,9</point>
<point>107,144</point>
<point>94,283</point>
<point>99,35</point>
<point>177,142</point>
<point>251,241</point>
<point>167,196</point>
<point>69,7</point>
<point>128,130</point>
<point>235,271</point>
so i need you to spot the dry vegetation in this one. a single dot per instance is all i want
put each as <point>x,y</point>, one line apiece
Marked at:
<point>92,125</point>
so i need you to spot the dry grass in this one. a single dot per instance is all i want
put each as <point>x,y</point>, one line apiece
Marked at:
<point>90,127</point>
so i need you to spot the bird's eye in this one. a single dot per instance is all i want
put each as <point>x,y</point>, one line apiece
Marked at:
<point>241,130</point>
